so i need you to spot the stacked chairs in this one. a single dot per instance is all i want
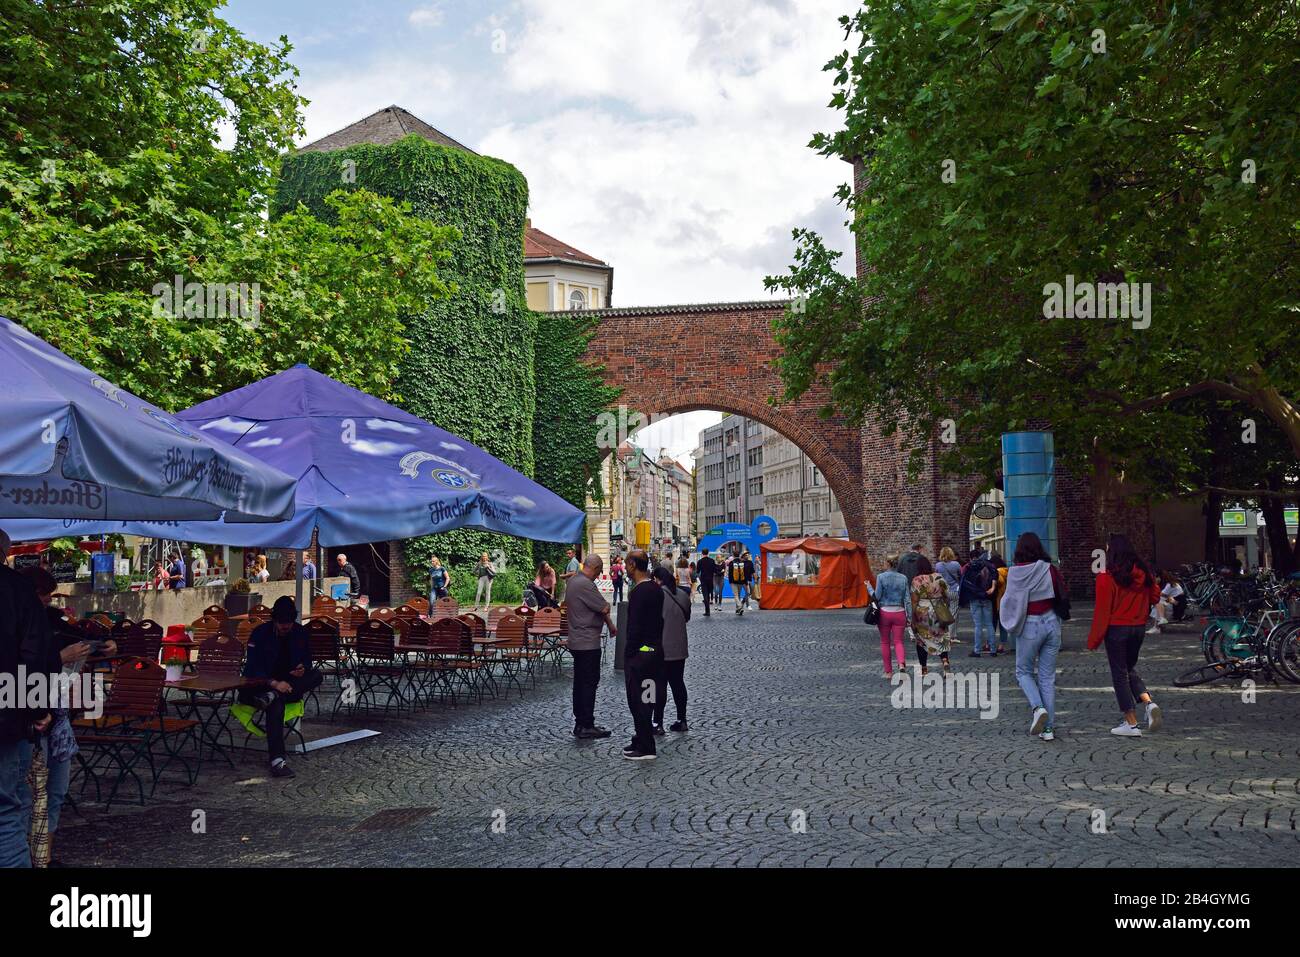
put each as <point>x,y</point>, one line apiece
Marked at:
<point>376,666</point>
<point>385,615</point>
<point>421,605</point>
<point>445,608</point>
<point>216,611</point>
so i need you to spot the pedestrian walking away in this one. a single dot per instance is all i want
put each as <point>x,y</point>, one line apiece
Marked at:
<point>677,612</point>
<point>894,597</point>
<point>1126,590</point>
<point>1034,588</point>
<point>709,573</point>
<point>931,616</point>
<point>979,580</point>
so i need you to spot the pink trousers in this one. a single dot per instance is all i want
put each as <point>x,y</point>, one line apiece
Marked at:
<point>893,626</point>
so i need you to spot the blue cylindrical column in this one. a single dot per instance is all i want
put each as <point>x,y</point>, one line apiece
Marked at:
<point>1029,484</point>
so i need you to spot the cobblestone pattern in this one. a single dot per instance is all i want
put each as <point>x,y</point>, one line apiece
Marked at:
<point>789,714</point>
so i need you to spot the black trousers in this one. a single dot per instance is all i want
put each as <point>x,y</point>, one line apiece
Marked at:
<point>275,710</point>
<point>618,591</point>
<point>922,656</point>
<point>586,677</point>
<point>641,680</point>
<point>707,589</point>
<point>672,674</point>
<point>1123,645</point>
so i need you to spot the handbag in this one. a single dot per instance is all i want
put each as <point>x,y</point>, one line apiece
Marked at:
<point>943,614</point>
<point>872,615</point>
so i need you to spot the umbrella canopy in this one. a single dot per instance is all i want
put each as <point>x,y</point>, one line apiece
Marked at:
<point>74,446</point>
<point>367,471</point>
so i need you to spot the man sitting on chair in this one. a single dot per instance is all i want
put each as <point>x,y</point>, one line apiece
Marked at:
<point>279,652</point>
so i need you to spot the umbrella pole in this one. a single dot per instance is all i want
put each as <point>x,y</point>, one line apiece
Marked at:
<point>301,558</point>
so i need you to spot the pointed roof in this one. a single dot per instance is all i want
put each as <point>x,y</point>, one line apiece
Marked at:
<point>540,245</point>
<point>381,128</point>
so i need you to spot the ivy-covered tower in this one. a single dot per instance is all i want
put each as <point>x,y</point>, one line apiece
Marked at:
<point>471,364</point>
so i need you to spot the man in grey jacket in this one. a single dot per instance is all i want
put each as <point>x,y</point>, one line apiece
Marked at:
<point>588,614</point>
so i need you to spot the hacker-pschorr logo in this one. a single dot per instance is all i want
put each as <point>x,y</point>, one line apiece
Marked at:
<point>77,910</point>
<point>449,473</point>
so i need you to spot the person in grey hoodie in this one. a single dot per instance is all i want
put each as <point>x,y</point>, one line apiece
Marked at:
<point>1028,614</point>
<point>677,612</point>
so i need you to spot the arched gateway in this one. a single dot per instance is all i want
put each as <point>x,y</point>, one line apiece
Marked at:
<point>721,356</point>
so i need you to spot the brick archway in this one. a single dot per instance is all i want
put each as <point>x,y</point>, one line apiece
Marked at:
<point>721,356</point>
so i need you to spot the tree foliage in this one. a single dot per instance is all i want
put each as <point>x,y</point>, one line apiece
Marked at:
<point>1006,146</point>
<point>114,181</point>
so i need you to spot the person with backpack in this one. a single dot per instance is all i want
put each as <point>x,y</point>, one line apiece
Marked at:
<point>742,577</point>
<point>1126,590</point>
<point>978,583</point>
<point>1034,586</point>
<point>616,576</point>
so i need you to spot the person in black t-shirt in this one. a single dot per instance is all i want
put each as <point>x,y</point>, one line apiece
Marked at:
<point>707,569</point>
<point>643,655</point>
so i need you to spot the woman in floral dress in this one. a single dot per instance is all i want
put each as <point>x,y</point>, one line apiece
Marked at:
<point>931,617</point>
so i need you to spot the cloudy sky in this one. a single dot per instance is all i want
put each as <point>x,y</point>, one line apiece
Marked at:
<point>668,139</point>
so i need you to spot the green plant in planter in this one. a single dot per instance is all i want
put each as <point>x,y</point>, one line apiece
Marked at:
<point>64,550</point>
<point>175,657</point>
<point>241,587</point>
<point>115,543</point>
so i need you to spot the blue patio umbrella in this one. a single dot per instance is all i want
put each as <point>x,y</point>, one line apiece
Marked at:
<point>75,447</point>
<point>367,471</point>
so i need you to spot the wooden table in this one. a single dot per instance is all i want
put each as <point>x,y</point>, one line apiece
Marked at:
<point>223,688</point>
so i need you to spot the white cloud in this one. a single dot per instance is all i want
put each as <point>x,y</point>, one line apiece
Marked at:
<point>233,426</point>
<point>523,501</point>
<point>380,425</point>
<point>681,158</point>
<point>366,447</point>
<point>451,446</point>
<point>426,17</point>
<point>264,443</point>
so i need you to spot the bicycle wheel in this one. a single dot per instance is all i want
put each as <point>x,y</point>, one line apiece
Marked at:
<point>1205,674</point>
<point>1284,650</point>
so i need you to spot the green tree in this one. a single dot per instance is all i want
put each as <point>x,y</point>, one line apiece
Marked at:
<point>1006,146</point>
<point>114,182</point>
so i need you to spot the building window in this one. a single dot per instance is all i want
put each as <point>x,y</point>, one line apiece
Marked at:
<point>577,299</point>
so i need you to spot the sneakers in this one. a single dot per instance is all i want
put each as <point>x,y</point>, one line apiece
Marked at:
<point>1154,718</point>
<point>1126,730</point>
<point>1153,630</point>
<point>281,770</point>
<point>595,731</point>
<point>1039,721</point>
<point>678,726</point>
<point>632,754</point>
<point>1048,735</point>
<point>658,730</point>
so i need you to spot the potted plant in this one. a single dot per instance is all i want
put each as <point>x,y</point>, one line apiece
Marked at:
<point>241,597</point>
<point>174,660</point>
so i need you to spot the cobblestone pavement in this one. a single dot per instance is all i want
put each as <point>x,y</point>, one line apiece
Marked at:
<point>789,715</point>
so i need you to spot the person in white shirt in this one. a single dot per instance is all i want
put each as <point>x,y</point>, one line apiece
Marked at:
<point>1172,598</point>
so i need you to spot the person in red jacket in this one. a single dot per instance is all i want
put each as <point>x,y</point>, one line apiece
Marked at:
<point>1126,590</point>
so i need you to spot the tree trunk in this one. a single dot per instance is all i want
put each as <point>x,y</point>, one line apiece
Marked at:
<point>1279,545</point>
<point>1213,511</point>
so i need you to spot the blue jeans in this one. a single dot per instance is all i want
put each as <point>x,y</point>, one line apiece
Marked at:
<point>1036,651</point>
<point>56,786</point>
<point>15,804</point>
<point>981,616</point>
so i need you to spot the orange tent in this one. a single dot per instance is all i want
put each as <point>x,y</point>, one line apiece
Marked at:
<point>838,583</point>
